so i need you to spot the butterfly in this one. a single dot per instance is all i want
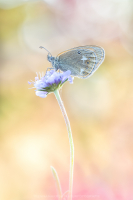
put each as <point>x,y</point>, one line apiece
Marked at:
<point>82,61</point>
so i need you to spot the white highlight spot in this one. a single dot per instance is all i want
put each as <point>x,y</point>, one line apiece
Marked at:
<point>81,71</point>
<point>84,58</point>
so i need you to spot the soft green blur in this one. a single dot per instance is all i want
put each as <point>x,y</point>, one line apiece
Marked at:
<point>100,109</point>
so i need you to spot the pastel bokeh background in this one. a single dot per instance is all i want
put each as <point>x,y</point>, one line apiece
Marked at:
<point>33,132</point>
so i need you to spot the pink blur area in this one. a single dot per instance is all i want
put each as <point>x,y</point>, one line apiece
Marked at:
<point>33,132</point>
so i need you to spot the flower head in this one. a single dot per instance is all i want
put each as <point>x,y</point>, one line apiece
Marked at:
<point>50,82</point>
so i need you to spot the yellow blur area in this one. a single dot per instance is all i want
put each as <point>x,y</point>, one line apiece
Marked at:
<point>100,109</point>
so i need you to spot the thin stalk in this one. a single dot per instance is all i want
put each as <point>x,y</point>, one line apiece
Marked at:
<point>57,182</point>
<point>56,92</point>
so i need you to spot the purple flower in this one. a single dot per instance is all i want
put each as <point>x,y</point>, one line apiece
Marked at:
<point>50,82</point>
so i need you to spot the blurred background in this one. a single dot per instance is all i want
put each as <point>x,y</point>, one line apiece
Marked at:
<point>33,133</point>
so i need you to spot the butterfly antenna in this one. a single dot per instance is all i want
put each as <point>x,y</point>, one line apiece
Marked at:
<point>45,49</point>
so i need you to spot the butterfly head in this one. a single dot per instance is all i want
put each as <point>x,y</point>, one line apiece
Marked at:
<point>54,61</point>
<point>50,58</point>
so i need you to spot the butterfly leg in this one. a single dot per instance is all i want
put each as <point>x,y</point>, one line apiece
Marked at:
<point>49,68</point>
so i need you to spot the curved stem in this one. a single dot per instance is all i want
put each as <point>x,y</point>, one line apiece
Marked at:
<point>56,92</point>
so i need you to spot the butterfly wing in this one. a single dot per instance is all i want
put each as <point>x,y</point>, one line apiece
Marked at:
<point>81,61</point>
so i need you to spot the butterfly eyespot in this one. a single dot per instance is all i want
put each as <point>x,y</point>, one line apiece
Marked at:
<point>79,52</point>
<point>84,73</point>
<point>87,62</point>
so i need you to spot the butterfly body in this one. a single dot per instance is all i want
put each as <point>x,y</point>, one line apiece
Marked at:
<point>81,61</point>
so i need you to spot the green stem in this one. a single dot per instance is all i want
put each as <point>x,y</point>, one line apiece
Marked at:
<point>56,92</point>
<point>57,182</point>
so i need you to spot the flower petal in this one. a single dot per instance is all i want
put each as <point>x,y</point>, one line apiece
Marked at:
<point>65,75</point>
<point>70,79</point>
<point>29,82</point>
<point>41,94</point>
